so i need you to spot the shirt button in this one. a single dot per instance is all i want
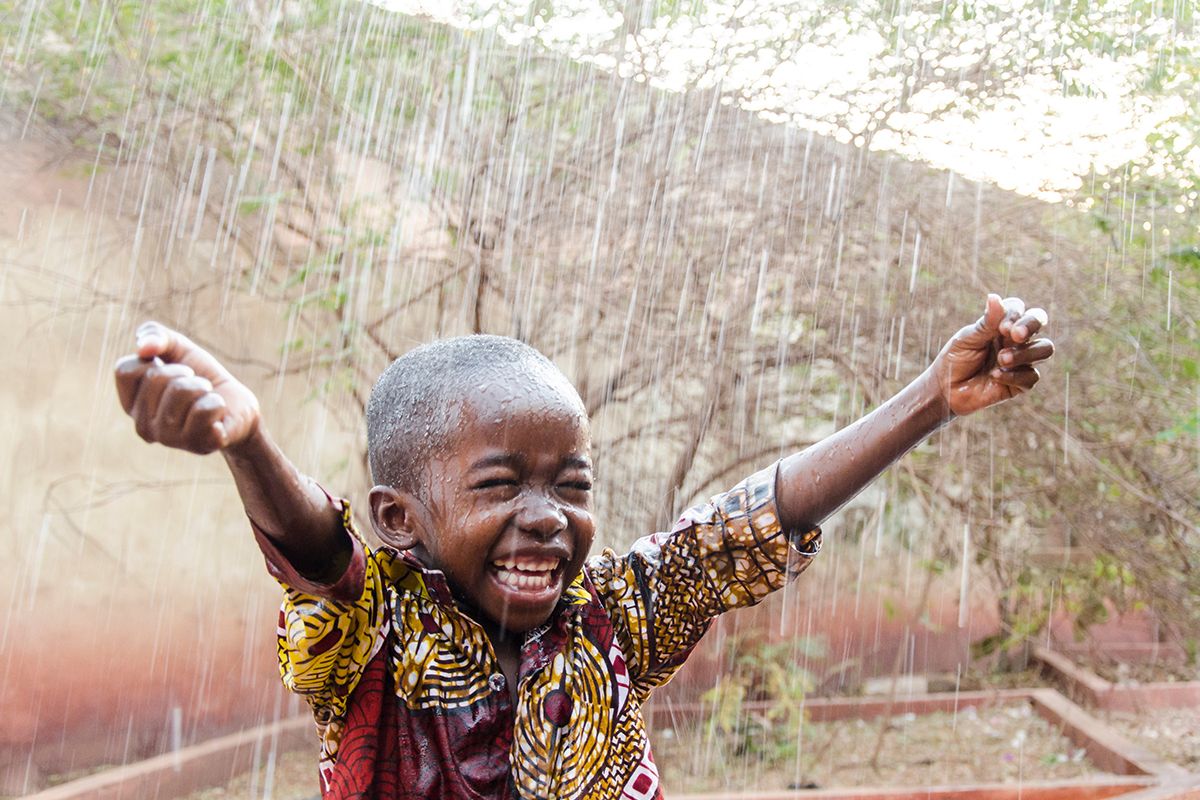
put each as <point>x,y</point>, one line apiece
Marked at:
<point>497,682</point>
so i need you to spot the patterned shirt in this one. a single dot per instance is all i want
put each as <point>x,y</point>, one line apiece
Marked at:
<point>409,698</point>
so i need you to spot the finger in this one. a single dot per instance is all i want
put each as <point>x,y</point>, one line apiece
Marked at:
<point>175,403</point>
<point>153,339</point>
<point>1014,307</point>
<point>993,313</point>
<point>1032,321</point>
<point>128,373</point>
<point>157,340</point>
<point>985,329</point>
<point>203,429</point>
<point>153,384</point>
<point>1022,378</point>
<point>1022,354</point>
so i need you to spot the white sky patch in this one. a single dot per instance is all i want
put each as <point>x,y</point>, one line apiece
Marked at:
<point>1040,140</point>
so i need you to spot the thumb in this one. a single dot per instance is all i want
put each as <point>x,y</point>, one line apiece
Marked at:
<point>153,339</point>
<point>221,431</point>
<point>986,328</point>
<point>157,340</point>
<point>993,314</point>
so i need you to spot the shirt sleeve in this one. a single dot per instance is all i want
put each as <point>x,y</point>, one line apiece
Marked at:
<point>328,632</point>
<point>730,552</point>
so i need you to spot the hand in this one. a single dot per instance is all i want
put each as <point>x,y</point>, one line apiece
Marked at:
<point>989,362</point>
<point>180,396</point>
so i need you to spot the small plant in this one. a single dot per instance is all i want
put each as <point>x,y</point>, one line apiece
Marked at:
<point>762,671</point>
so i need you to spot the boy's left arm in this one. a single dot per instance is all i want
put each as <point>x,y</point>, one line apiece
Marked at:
<point>734,550</point>
<point>983,364</point>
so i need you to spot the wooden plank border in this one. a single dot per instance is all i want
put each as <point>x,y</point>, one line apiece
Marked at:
<point>1083,789</point>
<point>1137,773</point>
<point>1085,686</point>
<point>190,769</point>
<point>832,709</point>
<point>1105,747</point>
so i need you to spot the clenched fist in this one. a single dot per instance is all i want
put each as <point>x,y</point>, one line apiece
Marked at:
<point>182,397</point>
<point>994,359</point>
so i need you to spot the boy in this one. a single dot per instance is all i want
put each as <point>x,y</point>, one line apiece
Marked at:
<point>476,654</point>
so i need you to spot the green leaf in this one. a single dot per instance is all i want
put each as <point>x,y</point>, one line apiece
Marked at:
<point>1188,256</point>
<point>252,203</point>
<point>987,645</point>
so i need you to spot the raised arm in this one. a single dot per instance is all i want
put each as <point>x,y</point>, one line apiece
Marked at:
<point>985,363</point>
<point>179,395</point>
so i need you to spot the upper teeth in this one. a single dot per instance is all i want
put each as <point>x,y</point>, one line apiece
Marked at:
<point>526,573</point>
<point>527,565</point>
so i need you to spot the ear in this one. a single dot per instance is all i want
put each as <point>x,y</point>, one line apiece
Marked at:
<point>397,517</point>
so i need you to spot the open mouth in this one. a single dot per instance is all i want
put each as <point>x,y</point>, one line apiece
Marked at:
<point>528,575</point>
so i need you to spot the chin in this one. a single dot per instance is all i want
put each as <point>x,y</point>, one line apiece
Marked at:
<point>520,621</point>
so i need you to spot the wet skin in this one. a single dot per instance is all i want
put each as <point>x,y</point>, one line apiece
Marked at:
<point>985,363</point>
<point>505,513</point>
<point>180,396</point>
<point>510,488</point>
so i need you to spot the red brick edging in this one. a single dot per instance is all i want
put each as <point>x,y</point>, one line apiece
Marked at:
<point>1088,688</point>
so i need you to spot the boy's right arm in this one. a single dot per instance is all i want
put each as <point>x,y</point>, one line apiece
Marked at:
<point>179,395</point>
<point>334,616</point>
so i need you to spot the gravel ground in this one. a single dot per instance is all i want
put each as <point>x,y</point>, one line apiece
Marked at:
<point>1133,673</point>
<point>1173,734</point>
<point>294,778</point>
<point>1006,744</point>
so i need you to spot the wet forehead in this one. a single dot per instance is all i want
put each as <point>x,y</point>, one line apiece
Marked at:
<point>520,415</point>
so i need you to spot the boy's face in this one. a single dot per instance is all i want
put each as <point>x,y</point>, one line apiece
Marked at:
<point>509,504</point>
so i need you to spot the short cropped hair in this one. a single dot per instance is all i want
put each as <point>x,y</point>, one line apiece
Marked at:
<point>417,399</point>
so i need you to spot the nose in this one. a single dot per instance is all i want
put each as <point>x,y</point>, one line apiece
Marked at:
<point>541,516</point>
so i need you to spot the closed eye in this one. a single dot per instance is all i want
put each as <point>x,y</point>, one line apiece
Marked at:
<point>494,482</point>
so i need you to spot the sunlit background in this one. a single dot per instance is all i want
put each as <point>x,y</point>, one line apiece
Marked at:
<point>736,226</point>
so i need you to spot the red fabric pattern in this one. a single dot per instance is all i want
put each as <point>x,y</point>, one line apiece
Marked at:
<point>454,754</point>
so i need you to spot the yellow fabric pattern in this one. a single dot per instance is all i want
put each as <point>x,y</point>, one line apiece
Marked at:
<point>729,553</point>
<point>324,645</point>
<point>624,627</point>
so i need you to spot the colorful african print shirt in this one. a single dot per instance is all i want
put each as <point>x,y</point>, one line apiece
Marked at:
<point>409,698</point>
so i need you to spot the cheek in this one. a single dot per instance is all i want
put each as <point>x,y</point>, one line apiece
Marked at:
<point>585,529</point>
<point>471,526</point>
<point>458,510</point>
